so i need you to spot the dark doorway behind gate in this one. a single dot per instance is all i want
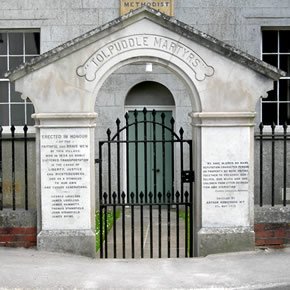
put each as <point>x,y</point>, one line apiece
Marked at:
<point>145,189</point>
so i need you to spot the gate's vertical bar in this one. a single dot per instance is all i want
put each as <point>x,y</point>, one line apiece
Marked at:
<point>141,224</point>
<point>163,152</point>
<point>154,156</point>
<point>13,166</point>
<point>159,224</point>
<point>181,161</point>
<point>108,197</point>
<point>172,157</point>
<point>123,225</point>
<point>177,194</point>
<point>106,223</point>
<point>100,199</point>
<point>136,156</point>
<point>261,126</point>
<point>127,183</point>
<point>118,161</point>
<point>132,227</point>
<point>191,222</point>
<point>127,155</point>
<point>168,197</point>
<point>145,154</point>
<point>168,224</point>
<point>181,131</point>
<point>186,223</point>
<point>177,223</point>
<point>114,225</point>
<point>25,129</point>
<point>273,163</point>
<point>145,181</point>
<point>285,163</point>
<point>151,223</point>
<point>1,172</point>
<point>109,165</point>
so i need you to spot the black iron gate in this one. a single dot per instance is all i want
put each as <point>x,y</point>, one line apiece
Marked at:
<point>145,189</point>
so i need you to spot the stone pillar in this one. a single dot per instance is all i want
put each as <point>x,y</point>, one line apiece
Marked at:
<point>226,186</point>
<point>66,182</point>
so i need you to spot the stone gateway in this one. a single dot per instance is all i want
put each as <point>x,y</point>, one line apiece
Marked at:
<point>211,89</point>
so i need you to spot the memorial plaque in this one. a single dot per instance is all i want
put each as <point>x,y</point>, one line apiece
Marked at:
<point>225,179</point>
<point>65,178</point>
<point>165,7</point>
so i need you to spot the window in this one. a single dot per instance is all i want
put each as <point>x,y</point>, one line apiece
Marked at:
<point>16,47</point>
<point>276,51</point>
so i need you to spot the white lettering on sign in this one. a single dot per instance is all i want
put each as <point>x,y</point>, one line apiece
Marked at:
<point>65,178</point>
<point>225,186</point>
<point>145,41</point>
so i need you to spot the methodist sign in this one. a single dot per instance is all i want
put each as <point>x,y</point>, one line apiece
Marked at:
<point>163,6</point>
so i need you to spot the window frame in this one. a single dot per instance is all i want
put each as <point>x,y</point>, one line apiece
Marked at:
<point>278,53</point>
<point>25,57</point>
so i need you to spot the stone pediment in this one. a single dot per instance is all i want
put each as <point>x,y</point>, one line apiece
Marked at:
<point>170,23</point>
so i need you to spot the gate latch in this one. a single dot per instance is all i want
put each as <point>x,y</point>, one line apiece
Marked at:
<point>187,176</point>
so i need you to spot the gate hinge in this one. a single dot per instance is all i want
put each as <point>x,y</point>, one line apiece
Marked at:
<point>187,176</point>
<point>97,161</point>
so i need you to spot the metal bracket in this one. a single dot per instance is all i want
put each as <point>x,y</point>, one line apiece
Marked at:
<point>187,176</point>
<point>97,161</point>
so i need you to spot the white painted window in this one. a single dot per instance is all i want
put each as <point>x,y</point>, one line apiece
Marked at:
<point>16,47</point>
<point>276,51</point>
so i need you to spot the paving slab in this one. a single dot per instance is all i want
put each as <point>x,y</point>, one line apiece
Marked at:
<point>29,268</point>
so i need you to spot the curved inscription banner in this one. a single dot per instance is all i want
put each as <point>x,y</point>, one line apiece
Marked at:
<point>145,41</point>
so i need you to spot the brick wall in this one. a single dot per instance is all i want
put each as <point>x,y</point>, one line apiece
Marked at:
<point>18,228</point>
<point>18,237</point>
<point>274,235</point>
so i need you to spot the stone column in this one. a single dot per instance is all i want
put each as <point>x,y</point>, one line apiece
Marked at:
<point>66,182</point>
<point>225,191</point>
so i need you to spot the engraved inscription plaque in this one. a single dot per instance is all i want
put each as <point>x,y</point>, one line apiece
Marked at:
<point>226,177</point>
<point>140,42</point>
<point>65,178</point>
<point>226,187</point>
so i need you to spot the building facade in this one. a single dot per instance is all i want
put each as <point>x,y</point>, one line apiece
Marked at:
<point>259,28</point>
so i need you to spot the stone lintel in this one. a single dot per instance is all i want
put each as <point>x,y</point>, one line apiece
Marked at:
<point>80,242</point>
<point>65,120</point>
<point>223,119</point>
<point>222,240</point>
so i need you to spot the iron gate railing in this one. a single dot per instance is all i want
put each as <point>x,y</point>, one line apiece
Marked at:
<point>11,144</point>
<point>155,217</point>
<point>273,166</point>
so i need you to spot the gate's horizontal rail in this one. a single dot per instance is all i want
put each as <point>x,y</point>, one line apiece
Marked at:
<point>144,141</point>
<point>145,204</point>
